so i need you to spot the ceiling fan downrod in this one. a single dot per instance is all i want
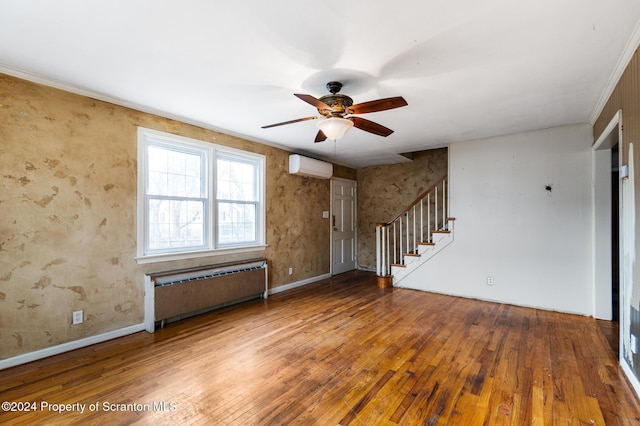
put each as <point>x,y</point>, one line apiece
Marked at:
<point>334,87</point>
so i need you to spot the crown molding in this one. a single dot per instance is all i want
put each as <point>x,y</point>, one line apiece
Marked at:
<point>618,70</point>
<point>78,90</point>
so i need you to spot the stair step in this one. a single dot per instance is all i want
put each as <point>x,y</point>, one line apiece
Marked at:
<point>399,265</point>
<point>425,243</point>
<point>451,218</point>
<point>411,254</point>
<point>440,232</point>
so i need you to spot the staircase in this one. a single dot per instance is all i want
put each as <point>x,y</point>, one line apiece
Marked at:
<point>414,236</point>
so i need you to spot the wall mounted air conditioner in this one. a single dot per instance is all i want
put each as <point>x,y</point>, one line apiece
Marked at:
<point>305,166</point>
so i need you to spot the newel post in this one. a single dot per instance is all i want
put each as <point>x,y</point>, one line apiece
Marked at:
<point>383,269</point>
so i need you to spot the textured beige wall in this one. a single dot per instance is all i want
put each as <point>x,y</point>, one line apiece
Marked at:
<point>384,191</point>
<point>68,215</point>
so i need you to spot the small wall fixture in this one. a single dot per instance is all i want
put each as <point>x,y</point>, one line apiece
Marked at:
<point>624,171</point>
<point>334,128</point>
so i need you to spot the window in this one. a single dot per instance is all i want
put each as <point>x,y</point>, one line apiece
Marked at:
<point>196,197</point>
<point>237,199</point>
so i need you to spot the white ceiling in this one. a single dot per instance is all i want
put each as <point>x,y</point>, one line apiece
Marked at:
<point>467,68</point>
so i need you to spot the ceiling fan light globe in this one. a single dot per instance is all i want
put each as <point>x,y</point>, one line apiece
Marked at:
<point>334,127</point>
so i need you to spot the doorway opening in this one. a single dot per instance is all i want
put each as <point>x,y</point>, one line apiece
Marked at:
<point>607,244</point>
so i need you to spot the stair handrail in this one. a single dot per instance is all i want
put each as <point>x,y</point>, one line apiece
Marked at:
<point>420,197</point>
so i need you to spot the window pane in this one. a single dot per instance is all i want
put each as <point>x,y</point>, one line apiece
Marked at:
<point>175,224</point>
<point>174,173</point>
<point>236,180</point>
<point>157,159</point>
<point>237,223</point>
<point>158,183</point>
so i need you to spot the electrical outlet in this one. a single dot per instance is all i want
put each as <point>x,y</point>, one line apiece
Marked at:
<point>290,270</point>
<point>489,280</point>
<point>77,317</point>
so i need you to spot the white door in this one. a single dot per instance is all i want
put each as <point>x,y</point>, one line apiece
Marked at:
<point>343,225</point>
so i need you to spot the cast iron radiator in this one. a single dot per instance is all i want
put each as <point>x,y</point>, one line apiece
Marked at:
<point>185,292</point>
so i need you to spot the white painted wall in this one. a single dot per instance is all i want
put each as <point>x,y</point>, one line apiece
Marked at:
<point>536,244</point>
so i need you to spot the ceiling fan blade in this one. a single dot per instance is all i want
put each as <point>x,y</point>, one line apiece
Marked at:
<point>320,136</point>
<point>370,126</point>
<point>289,122</point>
<point>313,101</point>
<point>378,105</point>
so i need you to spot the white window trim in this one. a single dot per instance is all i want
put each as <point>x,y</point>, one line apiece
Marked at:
<point>144,135</point>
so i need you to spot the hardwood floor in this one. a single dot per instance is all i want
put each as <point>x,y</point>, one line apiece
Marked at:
<point>611,330</point>
<point>340,351</point>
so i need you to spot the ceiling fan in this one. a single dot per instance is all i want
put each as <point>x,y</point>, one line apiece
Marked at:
<point>337,113</point>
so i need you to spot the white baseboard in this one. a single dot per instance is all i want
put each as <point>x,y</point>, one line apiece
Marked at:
<point>290,286</point>
<point>76,344</point>
<point>69,346</point>
<point>633,380</point>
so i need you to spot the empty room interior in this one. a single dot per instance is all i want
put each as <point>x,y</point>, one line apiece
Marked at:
<point>321,213</point>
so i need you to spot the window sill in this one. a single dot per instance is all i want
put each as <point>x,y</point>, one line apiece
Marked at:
<point>142,260</point>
